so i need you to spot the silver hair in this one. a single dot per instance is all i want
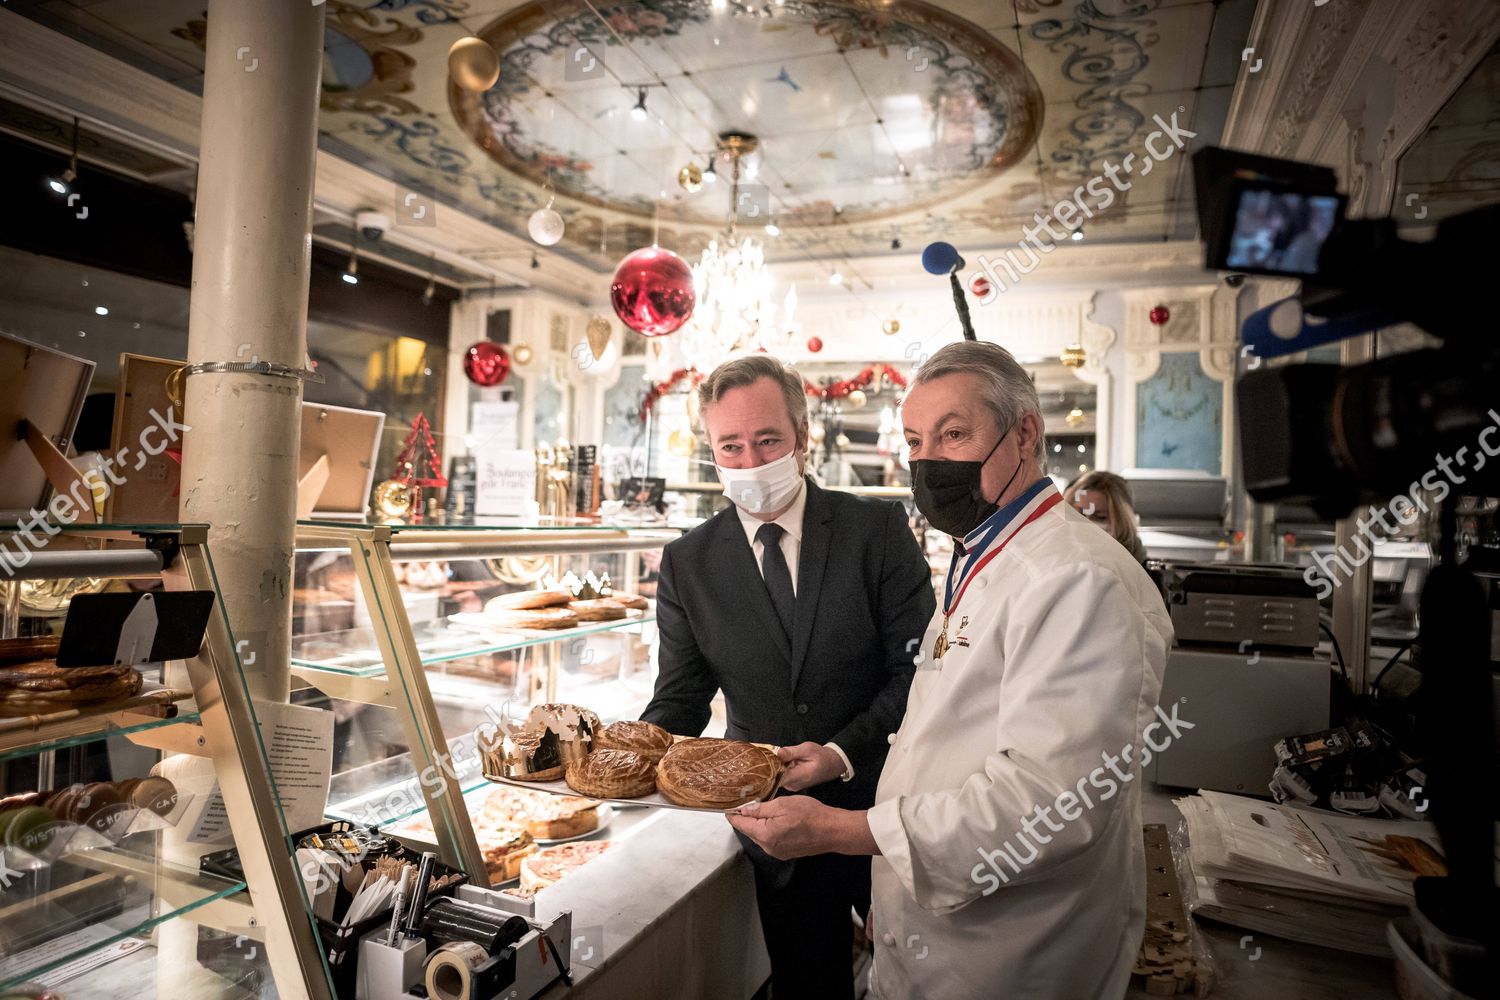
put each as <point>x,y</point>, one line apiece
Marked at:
<point>1007,390</point>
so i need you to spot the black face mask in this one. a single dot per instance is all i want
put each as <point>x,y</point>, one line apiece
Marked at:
<point>951,494</point>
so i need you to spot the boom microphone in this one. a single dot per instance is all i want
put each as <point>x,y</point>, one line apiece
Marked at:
<point>943,258</point>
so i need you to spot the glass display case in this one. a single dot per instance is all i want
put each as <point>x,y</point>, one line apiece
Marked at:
<point>113,793</point>
<point>391,634</point>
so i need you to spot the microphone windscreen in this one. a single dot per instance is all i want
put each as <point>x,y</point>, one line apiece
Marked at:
<point>941,258</point>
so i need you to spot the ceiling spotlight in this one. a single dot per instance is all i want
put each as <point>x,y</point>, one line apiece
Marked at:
<point>772,229</point>
<point>62,183</point>
<point>835,278</point>
<point>101,310</point>
<point>534,262</point>
<point>710,175</point>
<point>1077,234</point>
<point>639,112</point>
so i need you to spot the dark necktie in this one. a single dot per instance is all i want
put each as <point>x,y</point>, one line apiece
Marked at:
<point>778,578</point>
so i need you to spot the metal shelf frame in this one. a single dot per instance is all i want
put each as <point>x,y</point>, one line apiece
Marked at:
<point>224,730</point>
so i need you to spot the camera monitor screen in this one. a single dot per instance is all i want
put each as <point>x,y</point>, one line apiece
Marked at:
<point>1281,232</point>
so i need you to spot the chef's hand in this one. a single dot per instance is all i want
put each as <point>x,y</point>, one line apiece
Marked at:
<point>790,826</point>
<point>808,764</point>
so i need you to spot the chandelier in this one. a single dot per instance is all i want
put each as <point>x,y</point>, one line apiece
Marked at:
<point>737,311</point>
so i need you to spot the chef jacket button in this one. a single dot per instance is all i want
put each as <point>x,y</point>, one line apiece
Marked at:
<point>888,939</point>
<point>802,709</point>
<point>891,739</point>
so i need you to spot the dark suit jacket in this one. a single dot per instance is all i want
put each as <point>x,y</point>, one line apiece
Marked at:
<point>864,600</point>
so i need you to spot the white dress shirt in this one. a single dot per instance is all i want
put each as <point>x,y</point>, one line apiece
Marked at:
<point>1055,656</point>
<point>791,547</point>
<point>791,538</point>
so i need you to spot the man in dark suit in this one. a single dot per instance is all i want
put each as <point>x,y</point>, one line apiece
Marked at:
<point>805,607</point>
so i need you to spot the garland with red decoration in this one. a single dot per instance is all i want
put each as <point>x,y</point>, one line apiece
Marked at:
<point>660,389</point>
<point>842,387</point>
<point>838,389</point>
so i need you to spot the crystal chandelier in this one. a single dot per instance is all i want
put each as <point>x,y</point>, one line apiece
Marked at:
<point>737,311</point>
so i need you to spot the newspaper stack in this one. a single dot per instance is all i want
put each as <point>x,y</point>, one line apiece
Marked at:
<point>1304,874</point>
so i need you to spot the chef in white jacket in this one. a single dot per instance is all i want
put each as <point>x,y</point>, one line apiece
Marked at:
<point>1006,832</point>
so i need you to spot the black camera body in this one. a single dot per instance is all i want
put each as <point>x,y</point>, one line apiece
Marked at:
<point>1335,437</point>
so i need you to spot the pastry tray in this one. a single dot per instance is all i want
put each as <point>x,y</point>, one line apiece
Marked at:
<point>655,799</point>
<point>479,622</point>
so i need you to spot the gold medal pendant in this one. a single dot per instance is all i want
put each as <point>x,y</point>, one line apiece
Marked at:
<point>941,645</point>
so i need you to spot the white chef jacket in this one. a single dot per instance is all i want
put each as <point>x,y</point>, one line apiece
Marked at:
<point>1056,656</point>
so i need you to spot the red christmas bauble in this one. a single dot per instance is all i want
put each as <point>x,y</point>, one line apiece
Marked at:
<point>980,286</point>
<point>814,344</point>
<point>486,364</point>
<point>652,292</point>
<point>1159,315</point>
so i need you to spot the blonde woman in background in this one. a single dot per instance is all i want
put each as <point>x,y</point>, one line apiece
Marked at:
<point>1104,498</point>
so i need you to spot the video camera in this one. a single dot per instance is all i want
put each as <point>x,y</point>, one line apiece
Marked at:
<point>1331,436</point>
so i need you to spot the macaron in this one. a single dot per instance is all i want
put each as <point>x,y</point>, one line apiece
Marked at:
<point>156,794</point>
<point>97,805</point>
<point>30,828</point>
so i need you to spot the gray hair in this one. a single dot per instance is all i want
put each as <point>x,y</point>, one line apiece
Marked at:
<point>740,372</point>
<point>1006,388</point>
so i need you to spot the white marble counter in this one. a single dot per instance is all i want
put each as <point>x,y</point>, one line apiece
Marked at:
<point>669,911</point>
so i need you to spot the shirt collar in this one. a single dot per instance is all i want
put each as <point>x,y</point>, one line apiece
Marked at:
<point>997,522</point>
<point>790,519</point>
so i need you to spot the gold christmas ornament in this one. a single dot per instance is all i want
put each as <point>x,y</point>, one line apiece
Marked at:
<point>891,327</point>
<point>473,64</point>
<point>856,399</point>
<point>817,433</point>
<point>690,178</point>
<point>392,499</point>
<point>842,441</point>
<point>598,332</point>
<point>521,354</point>
<point>1074,417</point>
<point>682,443</point>
<point>1073,356</point>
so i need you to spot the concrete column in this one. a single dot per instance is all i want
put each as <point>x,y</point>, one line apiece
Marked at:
<point>249,302</point>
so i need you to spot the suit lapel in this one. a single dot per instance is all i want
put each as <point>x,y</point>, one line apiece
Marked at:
<point>811,558</point>
<point>748,583</point>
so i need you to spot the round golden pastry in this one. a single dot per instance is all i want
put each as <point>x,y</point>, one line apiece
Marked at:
<point>528,599</point>
<point>42,686</point>
<point>533,618</point>
<point>536,618</point>
<point>634,602</point>
<point>717,774</point>
<point>648,740</point>
<point>612,774</point>
<point>28,648</point>
<point>601,609</point>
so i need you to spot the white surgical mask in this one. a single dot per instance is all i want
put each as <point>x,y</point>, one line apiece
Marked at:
<point>765,488</point>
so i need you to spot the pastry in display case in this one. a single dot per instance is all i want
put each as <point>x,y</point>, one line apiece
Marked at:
<point>101,842</point>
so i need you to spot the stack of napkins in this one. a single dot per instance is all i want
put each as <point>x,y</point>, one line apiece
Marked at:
<point>1305,874</point>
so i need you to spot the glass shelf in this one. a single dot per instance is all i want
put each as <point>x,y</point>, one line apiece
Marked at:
<point>355,652</point>
<point>87,729</point>
<point>472,524</point>
<point>87,902</point>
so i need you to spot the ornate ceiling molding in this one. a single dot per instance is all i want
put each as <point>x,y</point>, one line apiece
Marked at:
<point>1352,85</point>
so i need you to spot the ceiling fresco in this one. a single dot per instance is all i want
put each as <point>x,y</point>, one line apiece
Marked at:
<point>883,123</point>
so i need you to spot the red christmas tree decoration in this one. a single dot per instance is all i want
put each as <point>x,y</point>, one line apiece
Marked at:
<point>422,468</point>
